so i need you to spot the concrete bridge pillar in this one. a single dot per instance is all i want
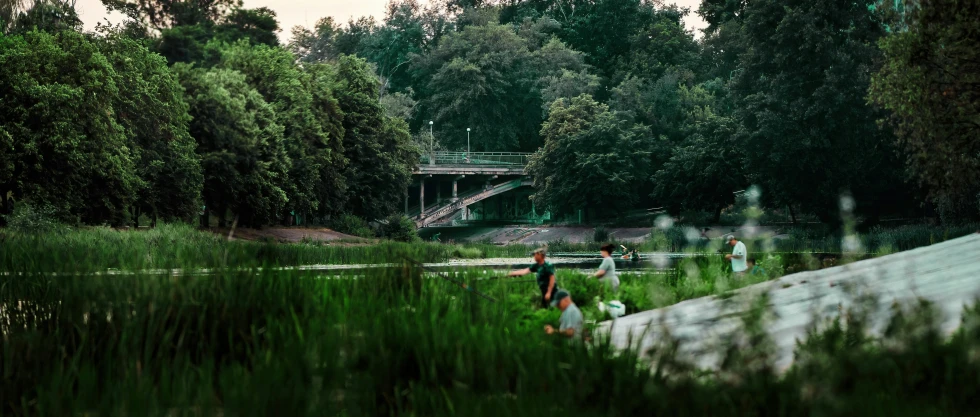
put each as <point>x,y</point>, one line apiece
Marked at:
<point>421,196</point>
<point>455,193</point>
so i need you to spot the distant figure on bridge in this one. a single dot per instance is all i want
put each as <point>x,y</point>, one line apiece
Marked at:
<point>546,276</point>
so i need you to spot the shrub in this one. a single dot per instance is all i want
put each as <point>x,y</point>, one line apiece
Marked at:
<point>351,225</point>
<point>29,219</point>
<point>399,228</point>
<point>600,234</point>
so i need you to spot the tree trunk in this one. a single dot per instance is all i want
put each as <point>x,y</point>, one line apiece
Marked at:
<point>717,218</point>
<point>792,214</point>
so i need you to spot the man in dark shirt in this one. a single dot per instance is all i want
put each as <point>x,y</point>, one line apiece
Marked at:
<point>545,278</point>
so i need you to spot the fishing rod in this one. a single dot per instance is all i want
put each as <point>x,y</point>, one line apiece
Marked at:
<point>455,282</point>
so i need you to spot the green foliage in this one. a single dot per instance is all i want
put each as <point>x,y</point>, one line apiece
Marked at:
<point>378,147</point>
<point>50,16</point>
<point>477,78</point>
<point>351,225</point>
<point>706,167</point>
<point>929,81</point>
<point>274,74</point>
<point>152,110</point>
<point>240,144</point>
<point>600,234</point>
<point>800,97</point>
<point>80,166</point>
<point>162,14</point>
<point>28,219</point>
<point>273,341</point>
<point>398,228</point>
<point>589,159</point>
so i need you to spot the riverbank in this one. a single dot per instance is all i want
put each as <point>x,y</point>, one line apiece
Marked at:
<point>269,342</point>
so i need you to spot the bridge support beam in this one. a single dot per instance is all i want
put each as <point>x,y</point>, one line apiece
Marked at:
<point>455,192</point>
<point>421,196</point>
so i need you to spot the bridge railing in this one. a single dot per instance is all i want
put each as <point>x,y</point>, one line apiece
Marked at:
<point>476,158</point>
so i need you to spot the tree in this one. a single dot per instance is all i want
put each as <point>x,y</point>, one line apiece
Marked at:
<point>151,110</point>
<point>200,43</point>
<point>704,170</point>
<point>45,15</point>
<point>591,159</point>
<point>408,30</point>
<point>67,149</point>
<point>163,14</point>
<point>801,105</point>
<point>274,74</point>
<point>258,25</point>
<point>378,146</point>
<point>930,81</point>
<point>240,145</point>
<point>488,79</point>
<point>660,45</point>
<point>567,85</point>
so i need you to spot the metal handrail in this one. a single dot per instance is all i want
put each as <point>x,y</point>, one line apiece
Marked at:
<point>476,158</point>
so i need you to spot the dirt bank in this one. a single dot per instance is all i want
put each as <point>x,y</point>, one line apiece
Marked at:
<point>287,234</point>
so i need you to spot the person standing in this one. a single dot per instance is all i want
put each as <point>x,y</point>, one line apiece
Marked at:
<point>738,256</point>
<point>607,269</point>
<point>571,322</point>
<point>545,278</point>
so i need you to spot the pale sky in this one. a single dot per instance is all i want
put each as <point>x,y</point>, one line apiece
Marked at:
<point>306,12</point>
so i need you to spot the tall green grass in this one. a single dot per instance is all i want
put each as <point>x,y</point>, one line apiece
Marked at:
<point>258,343</point>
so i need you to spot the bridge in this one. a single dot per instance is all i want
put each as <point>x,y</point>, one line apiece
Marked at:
<point>483,176</point>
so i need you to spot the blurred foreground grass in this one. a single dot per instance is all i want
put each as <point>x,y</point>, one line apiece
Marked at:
<point>390,342</point>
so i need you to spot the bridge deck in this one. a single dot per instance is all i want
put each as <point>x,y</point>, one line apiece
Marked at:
<point>477,163</point>
<point>468,170</point>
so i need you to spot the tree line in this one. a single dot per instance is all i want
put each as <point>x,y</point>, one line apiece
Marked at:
<point>193,103</point>
<point>625,108</point>
<point>136,119</point>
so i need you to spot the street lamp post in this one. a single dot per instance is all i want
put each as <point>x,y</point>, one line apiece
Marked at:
<point>467,141</point>
<point>432,153</point>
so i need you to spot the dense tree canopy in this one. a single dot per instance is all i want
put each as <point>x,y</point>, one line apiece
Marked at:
<point>241,145</point>
<point>373,140</point>
<point>931,84</point>
<point>152,111</point>
<point>202,103</point>
<point>801,103</point>
<point>590,159</point>
<point>64,145</point>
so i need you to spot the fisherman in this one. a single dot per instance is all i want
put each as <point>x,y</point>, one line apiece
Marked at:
<point>607,269</point>
<point>545,278</point>
<point>571,322</point>
<point>738,256</point>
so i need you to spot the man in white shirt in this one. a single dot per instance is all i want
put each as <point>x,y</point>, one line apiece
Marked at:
<point>738,256</point>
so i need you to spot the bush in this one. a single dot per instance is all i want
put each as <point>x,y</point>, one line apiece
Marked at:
<point>399,228</point>
<point>351,225</point>
<point>28,219</point>
<point>600,235</point>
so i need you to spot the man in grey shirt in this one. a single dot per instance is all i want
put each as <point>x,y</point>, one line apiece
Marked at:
<point>607,269</point>
<point>571,322</point>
